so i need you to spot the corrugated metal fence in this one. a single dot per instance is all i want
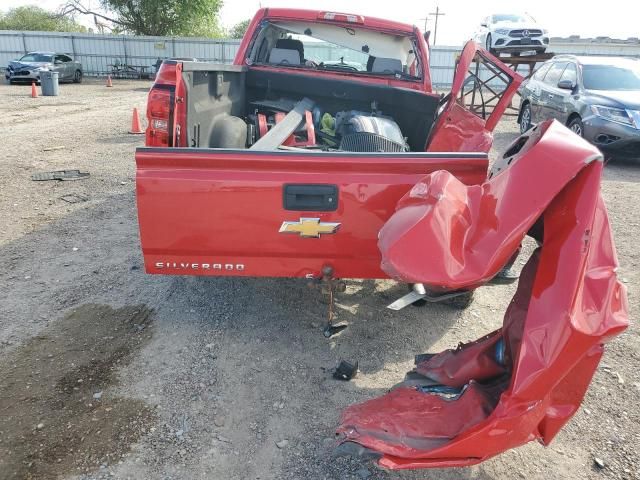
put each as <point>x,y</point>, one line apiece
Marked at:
<point>100,53</point>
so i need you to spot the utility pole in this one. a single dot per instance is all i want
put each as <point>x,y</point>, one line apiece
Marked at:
<point>426,20</point>
<point>437,14</point>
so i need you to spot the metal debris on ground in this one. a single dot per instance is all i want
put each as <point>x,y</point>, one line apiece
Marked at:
<point>59,175</point>
<point>74,198</point>
<point>51,149</point>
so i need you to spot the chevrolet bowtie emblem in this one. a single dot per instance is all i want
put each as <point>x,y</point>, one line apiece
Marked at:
<point>309,227</point>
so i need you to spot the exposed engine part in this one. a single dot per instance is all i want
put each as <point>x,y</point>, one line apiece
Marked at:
<point>271,113</point>
<point>369,142</point>
<point>363,132</point>
<point>349,130</point>
<point>229,132</point>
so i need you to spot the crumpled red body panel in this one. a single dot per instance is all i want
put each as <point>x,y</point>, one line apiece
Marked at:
<point>524,381</point>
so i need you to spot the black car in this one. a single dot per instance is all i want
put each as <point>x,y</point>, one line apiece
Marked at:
<point>598,98</point>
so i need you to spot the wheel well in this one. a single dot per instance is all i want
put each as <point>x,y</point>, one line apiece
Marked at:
<point>572,116</point>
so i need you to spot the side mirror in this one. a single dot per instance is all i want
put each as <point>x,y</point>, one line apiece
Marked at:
<point>566,84</point>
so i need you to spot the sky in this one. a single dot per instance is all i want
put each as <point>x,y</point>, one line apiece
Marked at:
<point>619,19</point>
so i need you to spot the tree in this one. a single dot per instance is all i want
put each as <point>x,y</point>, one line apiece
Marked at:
<point>155,17</point>
<point>35,18</point>
<point>239,29</point>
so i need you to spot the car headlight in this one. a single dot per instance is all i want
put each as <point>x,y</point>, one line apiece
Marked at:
<point>618,115</point>
<point>635,115</point>
<point>502,31</point>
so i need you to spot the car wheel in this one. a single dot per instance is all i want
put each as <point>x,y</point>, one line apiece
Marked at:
<point>576,126</point>
<point>487,43</point>
<point>525,118</point>
<point>77,77</point>
<point>488,46</point>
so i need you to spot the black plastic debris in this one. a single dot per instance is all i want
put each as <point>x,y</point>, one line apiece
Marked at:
<point>63,175</point>
<point>330,330</point>
<point>74,198</point>
<point>346,371</point>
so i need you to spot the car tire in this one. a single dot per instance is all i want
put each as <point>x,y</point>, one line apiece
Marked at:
<point>515,54</point>
<point>77,77</point>
<point>488,46</point>
<point>525,118</point>
<point>540,51</point>
<point>576,126</point>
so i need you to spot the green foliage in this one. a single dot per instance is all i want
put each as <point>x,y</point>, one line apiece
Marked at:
<point>35,18</point>
<point>166,17</point>
<point>239,29</point>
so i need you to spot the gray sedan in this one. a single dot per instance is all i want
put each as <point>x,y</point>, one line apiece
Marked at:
<point>29,67</point>
<point>598,98</point>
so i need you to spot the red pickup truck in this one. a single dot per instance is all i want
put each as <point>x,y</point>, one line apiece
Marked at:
<point>324,151</point>
<point>293,158</point>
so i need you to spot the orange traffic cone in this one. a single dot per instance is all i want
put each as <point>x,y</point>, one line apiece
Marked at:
<point>109,83</point>
<point>135,123</point>
<point>34,91</point>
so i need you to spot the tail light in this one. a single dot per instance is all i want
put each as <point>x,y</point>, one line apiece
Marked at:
<point>159,115</point>
<point>160,106</point>
<point>341,17</point>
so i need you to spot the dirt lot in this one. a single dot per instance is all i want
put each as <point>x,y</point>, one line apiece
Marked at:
<point>106,372</point>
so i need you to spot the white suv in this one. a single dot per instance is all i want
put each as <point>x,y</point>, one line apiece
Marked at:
<point>511,33</point>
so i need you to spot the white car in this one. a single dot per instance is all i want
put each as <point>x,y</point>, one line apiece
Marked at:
<point>511,33</point>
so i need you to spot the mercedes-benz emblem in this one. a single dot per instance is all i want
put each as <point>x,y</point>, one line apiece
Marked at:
<point>525,33</point>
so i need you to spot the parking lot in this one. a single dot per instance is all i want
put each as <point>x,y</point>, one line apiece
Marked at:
<point>106,372</point>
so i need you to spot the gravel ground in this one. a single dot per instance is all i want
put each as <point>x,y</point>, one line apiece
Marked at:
<point>110,373</point>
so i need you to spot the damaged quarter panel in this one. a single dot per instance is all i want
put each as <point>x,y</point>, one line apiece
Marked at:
<point>524,381</point>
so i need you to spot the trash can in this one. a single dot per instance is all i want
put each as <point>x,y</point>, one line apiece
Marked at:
<point>49,83</point>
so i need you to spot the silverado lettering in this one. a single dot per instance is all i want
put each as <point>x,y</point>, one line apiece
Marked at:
<point>204,266</point>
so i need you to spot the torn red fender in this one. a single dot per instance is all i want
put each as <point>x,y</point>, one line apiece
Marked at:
<point>526,380</point>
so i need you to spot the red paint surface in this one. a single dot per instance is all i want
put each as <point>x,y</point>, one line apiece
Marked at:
<point>198,206</point>
<point>567,305</point>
